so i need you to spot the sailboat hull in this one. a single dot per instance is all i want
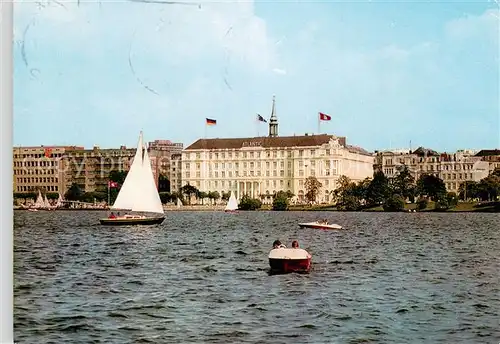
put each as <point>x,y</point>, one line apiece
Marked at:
<point>145,221</point>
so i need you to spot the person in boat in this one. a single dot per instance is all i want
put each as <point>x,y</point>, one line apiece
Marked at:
<point>278,244</point>
<point>295,244</point>
<point>323,221</point>
<point>112,216</point>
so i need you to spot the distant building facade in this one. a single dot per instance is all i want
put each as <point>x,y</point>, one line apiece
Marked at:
<point>38,168</point>
<point>90,168</point>
<point>491,156</point>
<point>262,166</point>
<point>175,172</point>
<point>160,153</point>
<point>454,169</point>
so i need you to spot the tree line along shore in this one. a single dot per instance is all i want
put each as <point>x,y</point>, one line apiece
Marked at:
<point>379,193</point>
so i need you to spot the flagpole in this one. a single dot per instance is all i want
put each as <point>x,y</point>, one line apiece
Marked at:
<point>206,128</point>
<point>257,124</point>
<point>109,196</point>
<point>319,123</point>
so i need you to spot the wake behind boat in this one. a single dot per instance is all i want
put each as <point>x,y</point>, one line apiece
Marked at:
<point>323,224</point>
<point>138,194</point>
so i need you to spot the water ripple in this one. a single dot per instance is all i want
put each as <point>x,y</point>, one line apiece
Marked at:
<point>202,278</point>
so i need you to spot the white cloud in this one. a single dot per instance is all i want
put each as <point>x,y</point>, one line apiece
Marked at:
<point>279,71</point>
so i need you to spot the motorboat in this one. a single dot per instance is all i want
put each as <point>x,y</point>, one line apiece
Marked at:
<point>286,260</point>
<point>320,225</point>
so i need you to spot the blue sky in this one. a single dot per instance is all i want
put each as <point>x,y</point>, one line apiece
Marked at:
<point>387,72</point>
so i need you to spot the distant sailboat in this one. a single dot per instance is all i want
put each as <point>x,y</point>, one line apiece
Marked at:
<point>39,203</point>
<point>232,203</point>
<point>179,203</point>
<point>59,203</point>
<point>46,203</point>
<point>138,193</point>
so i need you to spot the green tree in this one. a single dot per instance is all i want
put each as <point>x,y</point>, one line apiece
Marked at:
<point>281,200</point>
<point>472,190</point>
<point>394,203</point>
<point>247,203</point>
<point>74,193</point>
<point>214,196</point>
<point>190,190</point>
<point>202,195</point>
<point>422,204</point>
<point>225,195</point>
<point>165,197</point>
<point>404,183</point>
<point>118,176</point>
<point>312,186</point>
<point>431,186</point>
<point>378,190</point>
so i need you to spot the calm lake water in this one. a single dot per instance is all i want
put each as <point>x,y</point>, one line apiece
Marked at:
<point>202,277</point>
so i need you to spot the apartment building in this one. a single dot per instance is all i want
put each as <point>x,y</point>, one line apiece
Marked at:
<point>38,168</point>
<point>90,168</point>
<point>453,169</point>
<point>175,172</point>
<point>491,156</point>
<point>261,166</point>
<point>160,153</point>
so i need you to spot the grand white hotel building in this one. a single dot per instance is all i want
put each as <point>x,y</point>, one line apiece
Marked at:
<point>261,166</point>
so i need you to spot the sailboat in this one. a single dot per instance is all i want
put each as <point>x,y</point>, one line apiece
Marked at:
<point>232,203</point>
<point>138,193</point>
<point>179,203</point>
<point>59,203</point>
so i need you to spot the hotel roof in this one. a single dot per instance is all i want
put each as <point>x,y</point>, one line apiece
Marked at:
<point>271,142</point>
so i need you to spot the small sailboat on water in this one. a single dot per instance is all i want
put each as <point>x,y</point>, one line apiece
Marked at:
<point>179,203</point>
<point>138,194</point>
<point>232,203</point>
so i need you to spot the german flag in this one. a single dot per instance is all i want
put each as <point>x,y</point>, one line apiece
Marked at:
<point>211,121</point>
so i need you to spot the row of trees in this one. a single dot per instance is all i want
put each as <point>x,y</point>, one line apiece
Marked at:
<point>393,193</point>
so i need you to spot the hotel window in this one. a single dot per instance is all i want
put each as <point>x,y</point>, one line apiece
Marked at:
<point>301,173</point>
<point>301,153</point>
<point>281,183</point>
<point>282,173</point>
<point>275,154</point>
<point>197,165</point>
<point>289,165</point>
<point>223,174</point>
<point>301,183</point>
<point>245,155</point>
<point>275,173</point>
<point>267,164</point>
<point>251,165</point>
<point>244,165</point>
<point>268,173</point>
<point>289,154</point>
<point>275,164</point>
<point>301,163</point>
<point>313,163</point>
<point>313,152</point>
<point>289,173</point>
<point>251,154</point>
<point>198,175</point>
<point>216,174</point>
<point>327,152</point>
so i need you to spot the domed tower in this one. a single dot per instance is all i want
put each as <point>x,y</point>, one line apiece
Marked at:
<point>273,121</point>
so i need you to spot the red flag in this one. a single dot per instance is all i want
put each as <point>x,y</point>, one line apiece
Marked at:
<point>324,117</point>
<point>112,184</point>
<point>48,152</point>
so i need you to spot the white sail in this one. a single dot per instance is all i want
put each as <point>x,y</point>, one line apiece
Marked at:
<point>46,202</point>
<point>39,201</point>
<point>232,204</point>
<point>139,192</point>
<point>179,202</point>
<point>59,201</point>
